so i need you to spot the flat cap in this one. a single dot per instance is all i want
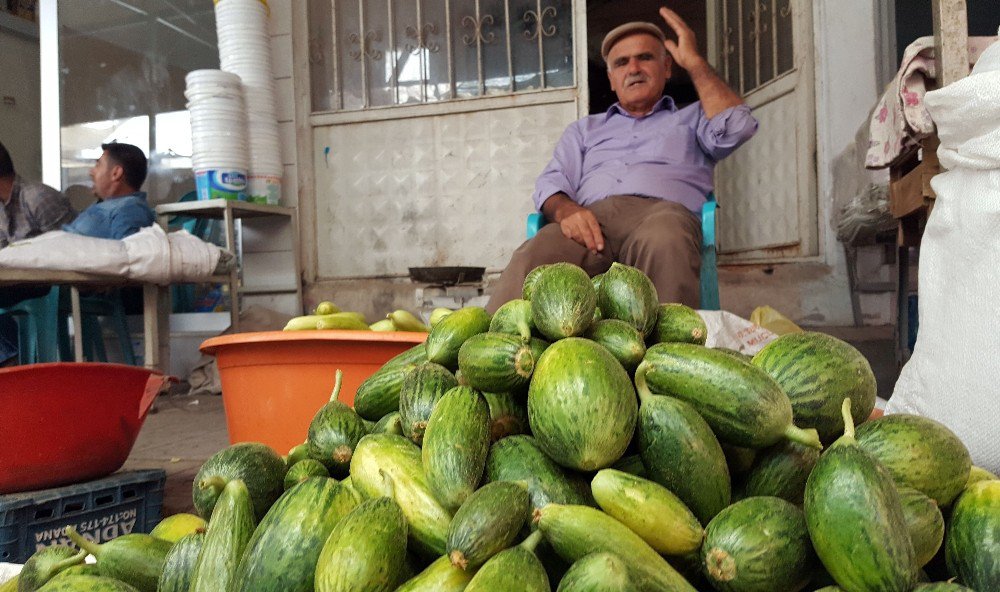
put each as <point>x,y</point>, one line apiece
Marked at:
<point>629,29</point>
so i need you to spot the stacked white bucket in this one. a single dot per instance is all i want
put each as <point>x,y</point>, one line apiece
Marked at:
<point>220,153</point>
<point>245,50</point>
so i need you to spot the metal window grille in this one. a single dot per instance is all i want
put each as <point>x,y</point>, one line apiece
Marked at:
<point>758,44</point>
<point>380,53</point>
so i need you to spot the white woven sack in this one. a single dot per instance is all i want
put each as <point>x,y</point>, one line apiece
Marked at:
<point>954,373</point>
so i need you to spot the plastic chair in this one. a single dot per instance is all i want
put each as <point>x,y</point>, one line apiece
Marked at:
<point>183,297</point>
<point>92,309</point>
<point>709,299</point>
<point>37,328</point>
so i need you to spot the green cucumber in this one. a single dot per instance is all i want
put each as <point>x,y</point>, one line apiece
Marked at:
<point>415,355</point>
<point>597,572</point>
<point>178,569</point>
<point>920,453</point>
<point>447,337</point>
<point>487,523</point>
<point>365,551</point>
<point>855,518</point>
<point>302,470</point>
<point>334,432</point>
<point>759,544</point>
<point>440,576</point>
<point>86,584</point>
<point>977,474</point>
<point>285,547</point>
<point>519,458</point>
<point>173,527</point>
<point>44,564</point>
<point>677,323</point>
<point>818,372</point>
<point>136,559</point>
<point>563,301</point>
<point>378,395</point>
<point>455,446</point>
<point>84,569</point>
<point>517,569</point>
<point>229,531</point>
<point>422,388</point>
<point>972,547</point>
<point>781,471</point>
<point>577,531</point>
<point>295,454</point>
<point>924,522</point>
<point>744,405</point>
<point>621,339</point>
<point>681,453</point>
<point>627,294</point>
<point>389,465</point>
<point>514,318</point>
<point>581,404</point>
<point>652,511</point>
<point>528,288</point>
<point>496,362</point>
<point>389,424</point>
<point>254,463</point>
<point>508,415</point>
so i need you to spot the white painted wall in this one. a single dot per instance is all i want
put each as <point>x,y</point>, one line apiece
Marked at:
<point>20,122</point>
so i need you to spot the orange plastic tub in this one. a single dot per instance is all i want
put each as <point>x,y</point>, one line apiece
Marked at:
<point>273,382</point>
<point>67,423</point>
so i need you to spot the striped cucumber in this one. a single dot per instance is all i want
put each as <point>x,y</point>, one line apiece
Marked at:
<point>627,294</point>
<point>577,531</point>
<point>45,564</point>
<point>528,288</point>
<point>230,529</point>
<point>284,549</point>
<point>977,474</point>
<point>924,522</point>
<point>455,446</point>
<point>597,572</point>
<point>519,458</point>
<point>365,551</point>
<point>650,510</point>
<point>487,523</point>
<point>681,453</point>
<point>422,387</point>
<point>302,470</point>
<point>781,471</point>
<point>855,519</point>
<point>389,465</point>
<point>378,394</point>
<point>920,453</point>
<point>182,560</point>
<point>440,576</point>
<point>86,583</point>
<point>254,463</point>
<point>514,318</point>
<point>447,337</point>
<point>136,559</point>
<point>496,362</point>
<point>581,404</point>
<point>563,301</point>
<point>508,415</point>
<point>621,339</point>
<point>677,323</point>
<point>744,405</point>
<point>513,570</point>
<point>334,432</point>
<point>818,372</point>
<point>972,547</point>
<point>759,544</point>
<point>389,424</point>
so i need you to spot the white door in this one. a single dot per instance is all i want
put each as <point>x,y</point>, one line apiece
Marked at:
<point>767,188</point>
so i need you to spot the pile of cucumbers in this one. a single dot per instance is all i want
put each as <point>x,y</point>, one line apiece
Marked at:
<point>583,439</point>
<point>328,315</point>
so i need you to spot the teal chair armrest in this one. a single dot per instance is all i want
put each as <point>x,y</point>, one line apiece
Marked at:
<point>535,222</point>
<point>709,271</point>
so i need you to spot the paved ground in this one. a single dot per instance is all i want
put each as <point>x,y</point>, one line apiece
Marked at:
<point>181,435</point>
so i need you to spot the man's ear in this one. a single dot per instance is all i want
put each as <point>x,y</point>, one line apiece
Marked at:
<point>117,172</point>
<point>668,63</point>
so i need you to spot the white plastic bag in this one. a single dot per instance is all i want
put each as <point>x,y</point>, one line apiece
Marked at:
<point>954,373</point>
<point>733,332</point>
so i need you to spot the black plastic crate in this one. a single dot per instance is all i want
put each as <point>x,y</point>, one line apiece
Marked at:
<point>101,510</point>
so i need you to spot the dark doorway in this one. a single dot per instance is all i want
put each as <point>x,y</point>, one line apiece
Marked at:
<point>604,15</point>
<point>915,19</point>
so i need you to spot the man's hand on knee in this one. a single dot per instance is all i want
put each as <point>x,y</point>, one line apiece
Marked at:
<point>575,221</point>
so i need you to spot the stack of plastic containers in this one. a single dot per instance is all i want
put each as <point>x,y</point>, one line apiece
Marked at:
<point>245,50</point>
<point>220,147</point>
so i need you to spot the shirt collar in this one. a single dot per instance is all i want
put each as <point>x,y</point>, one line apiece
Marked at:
<point>666,103</point>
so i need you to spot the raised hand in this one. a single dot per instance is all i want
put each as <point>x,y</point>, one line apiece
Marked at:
<point>685,49</point>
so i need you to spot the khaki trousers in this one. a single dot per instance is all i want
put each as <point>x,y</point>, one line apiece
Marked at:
<point>661,238</point>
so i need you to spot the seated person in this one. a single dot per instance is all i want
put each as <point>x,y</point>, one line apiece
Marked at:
<point>122,209</point>
<point>628,185</point>
<point>29,209</point>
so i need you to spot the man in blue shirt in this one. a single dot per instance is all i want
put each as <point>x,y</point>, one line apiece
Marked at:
<point>627,185</point>
<point>122,210</point>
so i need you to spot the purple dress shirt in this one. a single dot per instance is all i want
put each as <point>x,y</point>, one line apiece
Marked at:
<point>668,154</point>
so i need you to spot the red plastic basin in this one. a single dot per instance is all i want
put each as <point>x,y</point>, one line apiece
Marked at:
<point>273,382</point>
<point>66,423</point>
